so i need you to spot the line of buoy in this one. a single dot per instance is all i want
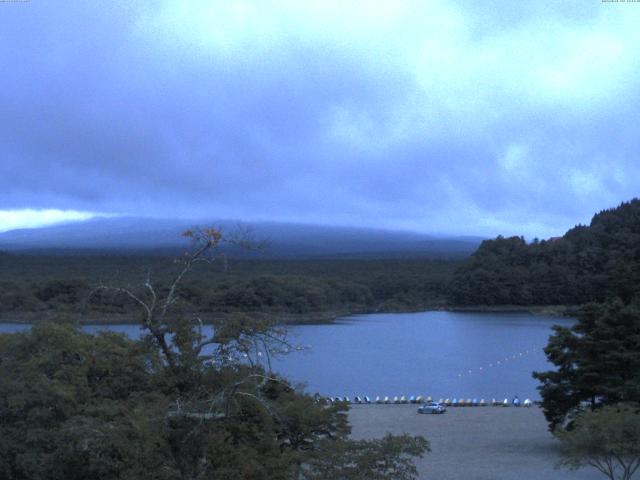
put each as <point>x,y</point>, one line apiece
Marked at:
<point>497,363</point>
<point>419,399</point>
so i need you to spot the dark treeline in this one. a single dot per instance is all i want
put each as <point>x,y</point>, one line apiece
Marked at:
<point>39,283</point>
<point>588,264</point>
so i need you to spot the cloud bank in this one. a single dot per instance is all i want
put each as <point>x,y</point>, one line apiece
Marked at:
<point>455,117</point>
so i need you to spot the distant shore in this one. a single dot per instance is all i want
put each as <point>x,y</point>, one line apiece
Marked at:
<point>286,318</point>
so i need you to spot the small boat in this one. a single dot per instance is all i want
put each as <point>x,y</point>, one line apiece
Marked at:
<point>378,399</point>
<point>403,399</point>
<point>386,400</point>
<point>419,399</point>
<point>474,402</point>
<point>482,403</point>
<point>461,402</point>
<point>527,403</point>
<point>366,399</point>
<point>347,399</point>
<point>454,402</point>
<point>412,399</point>
<point>447,402</point>
<point>396,399</point>
<point>505,402</point>
<point>356,399</point>
<point>429,399</point>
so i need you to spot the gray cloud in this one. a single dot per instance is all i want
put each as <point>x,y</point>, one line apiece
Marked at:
<point>432,116</point>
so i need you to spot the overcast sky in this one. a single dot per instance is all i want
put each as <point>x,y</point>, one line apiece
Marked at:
<point>467,117</point>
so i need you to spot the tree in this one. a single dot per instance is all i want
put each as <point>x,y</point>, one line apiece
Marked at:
<point>177,404</point>
<point>607,439</point>
<point>588,263</point>
<point>77,406</point>
<point>597,360</point>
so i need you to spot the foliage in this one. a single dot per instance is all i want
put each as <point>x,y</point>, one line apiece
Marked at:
<point>174,405</point>
<point>587,264</point>
<point>597,360</point>
<point>607,439</point>
<point>388,457</point>
<point>72,405</point>
<point>43,284</point>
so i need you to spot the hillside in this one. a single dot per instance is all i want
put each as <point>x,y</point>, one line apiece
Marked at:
<point>588,263</point>
<point>130,235</point>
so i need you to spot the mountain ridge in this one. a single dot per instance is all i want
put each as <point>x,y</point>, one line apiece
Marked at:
<point>139,234</point>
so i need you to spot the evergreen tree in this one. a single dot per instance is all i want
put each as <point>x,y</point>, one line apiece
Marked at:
<point>597,360</point>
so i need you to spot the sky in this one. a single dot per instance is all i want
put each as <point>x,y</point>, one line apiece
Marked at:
<point>455,117</point>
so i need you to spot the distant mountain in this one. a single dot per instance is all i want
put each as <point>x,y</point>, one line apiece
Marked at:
<point>162,236</point>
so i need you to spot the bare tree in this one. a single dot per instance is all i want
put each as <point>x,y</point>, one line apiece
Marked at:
<point>238,340</point>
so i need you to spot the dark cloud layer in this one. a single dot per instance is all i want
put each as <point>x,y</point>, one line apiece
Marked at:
<point>433,116</point>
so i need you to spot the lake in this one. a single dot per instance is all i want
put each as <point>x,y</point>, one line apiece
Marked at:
<point>442,354</point>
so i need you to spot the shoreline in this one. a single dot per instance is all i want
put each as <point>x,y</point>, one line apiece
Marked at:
<point>287,318</point>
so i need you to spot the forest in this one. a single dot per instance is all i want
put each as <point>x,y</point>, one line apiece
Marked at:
<point>298,290</point>
<point>588,264</point>
<point>174,405</point>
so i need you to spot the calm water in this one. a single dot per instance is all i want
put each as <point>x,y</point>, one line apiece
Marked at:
<point>442,354</point>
